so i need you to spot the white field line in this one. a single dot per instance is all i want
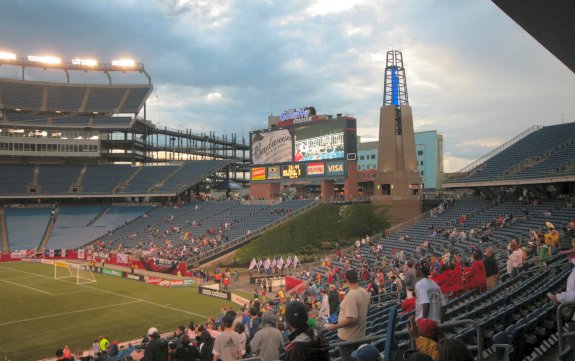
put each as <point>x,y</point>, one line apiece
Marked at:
<point>111,293</point>
<point>69,293</point>
<point>67,313</point>
<point>18,278</point>
<point>28,287</point>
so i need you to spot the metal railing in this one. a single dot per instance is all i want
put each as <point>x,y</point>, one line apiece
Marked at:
<point>501,148</point>
<point>449,324</point>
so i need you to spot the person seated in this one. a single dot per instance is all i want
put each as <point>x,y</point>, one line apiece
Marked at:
<point>425,333</point>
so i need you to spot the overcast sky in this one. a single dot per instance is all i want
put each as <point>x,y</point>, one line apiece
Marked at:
<point>472,73</point>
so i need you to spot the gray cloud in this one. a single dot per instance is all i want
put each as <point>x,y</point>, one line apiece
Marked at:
<point>472,73</point>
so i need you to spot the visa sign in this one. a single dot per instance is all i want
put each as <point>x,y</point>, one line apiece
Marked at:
<point>335,168</point>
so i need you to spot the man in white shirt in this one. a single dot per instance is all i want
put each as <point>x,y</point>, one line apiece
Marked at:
<point>324,310</point>
<point>429,302</point>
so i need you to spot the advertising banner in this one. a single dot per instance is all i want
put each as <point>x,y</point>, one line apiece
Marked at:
<point>274,173</point>
<point>335,168</point>
<point>293,171</point>
<point>316,169</point>
<point>81,253</point>
<point>258,174</point>
<point>152,280</point>
<point>111,272</point>
<point>134,277</point>
<point>271,147</point>
<point>223,295</point>
<point>239,300</point>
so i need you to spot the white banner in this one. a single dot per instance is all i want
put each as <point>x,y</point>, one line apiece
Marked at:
<point>18,253</point>
<point>272,147</point>
<point>122,258</point>
<point>240,300</point>
<point>81,253</point>
<point>51,252</point>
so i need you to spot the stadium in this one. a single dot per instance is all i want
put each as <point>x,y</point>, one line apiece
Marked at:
<point>115,231</point>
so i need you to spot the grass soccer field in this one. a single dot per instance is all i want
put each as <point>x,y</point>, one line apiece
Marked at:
<point>39,314</point>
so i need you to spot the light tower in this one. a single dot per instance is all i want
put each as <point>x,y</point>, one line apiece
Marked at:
<point>397,179</point>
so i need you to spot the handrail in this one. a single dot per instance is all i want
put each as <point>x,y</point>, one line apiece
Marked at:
<point>441,326</point>
<point>499,149</point>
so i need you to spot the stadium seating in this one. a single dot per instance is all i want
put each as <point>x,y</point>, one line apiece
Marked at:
<point>15,179</point>
<point>539,154</point>
<point>75,225</point>
<point>517,312</point>
<point>190,173</point>
<point>72,98</point>
<point>147,177</point>
<point>57,179</point>
<point>18,220</point>
<point>106,179</point>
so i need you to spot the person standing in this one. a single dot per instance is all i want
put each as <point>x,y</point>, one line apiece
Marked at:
<point>516,258</point>
<point>410,279</point>
<point>491,268</point>
<point>268,341</point>
<point>351,322</point>
<point>324,310</point>
<point>305,343</point>
<point>429,302</point>
<point>227,346</point>
<point>333,296</point>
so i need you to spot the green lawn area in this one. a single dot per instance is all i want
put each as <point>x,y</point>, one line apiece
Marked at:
<point>39,314</point>
<point>317,231</point>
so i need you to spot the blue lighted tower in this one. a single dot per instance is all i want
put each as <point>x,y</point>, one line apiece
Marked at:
<point>397,177</point>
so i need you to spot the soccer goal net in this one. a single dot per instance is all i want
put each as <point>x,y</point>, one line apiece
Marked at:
<point>80,274</point>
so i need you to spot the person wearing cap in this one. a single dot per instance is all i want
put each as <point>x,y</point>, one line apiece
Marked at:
<point>351,322</point>
<point>366,352</point>
<point>157,347</point>
<point>227,346</point>
<point>305,343</point>
<point>268,341</point>
<point>425,333</point>
<point>429,302</point>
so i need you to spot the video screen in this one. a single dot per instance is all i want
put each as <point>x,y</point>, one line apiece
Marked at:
<point>271,147</point>
<point>320,141</point>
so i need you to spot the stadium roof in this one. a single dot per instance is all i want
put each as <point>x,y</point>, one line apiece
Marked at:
<point>550,23</point>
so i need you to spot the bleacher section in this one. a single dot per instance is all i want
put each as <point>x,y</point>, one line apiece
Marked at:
<point>57,179</point>
<point>15,179</point>
<point>147,177</point>
<point>198,218</point>
<point>26,226</point>
<point>69,121</point>
<point>72,98</point>
<point>549,151</point>
<point>191,173</point>
<point>105,179</point>
<point>517,312</point>
<point>76,225</point>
